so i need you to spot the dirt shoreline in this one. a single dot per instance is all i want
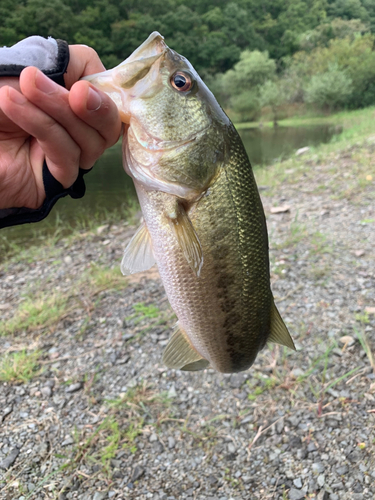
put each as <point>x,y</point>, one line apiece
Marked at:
<point>101,417</point>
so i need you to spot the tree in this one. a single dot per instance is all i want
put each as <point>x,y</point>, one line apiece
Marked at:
<point>355,58</point>
<point>272,94</point>
<point>329,90</point>
<point>246,105</point>
<point>253,69</point>
<point>324,33</point>
<point>47,19</point>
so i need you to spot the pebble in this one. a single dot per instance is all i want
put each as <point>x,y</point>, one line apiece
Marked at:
<point>137,473</point>
<point>99,495</point>
<point>171,442</point>
<point>172,392</point>
<point>297,372</point>
<point>297,483</point>
<point>302,151</point>
<point>74,387</point>
<point>67,441</point>
<point>342,470</point>
<point>10,459</point>
<point>296,494</point>
<point>46,391</point>
<point>321,480</point>
<point>231,448</point>
<point>318,467</point>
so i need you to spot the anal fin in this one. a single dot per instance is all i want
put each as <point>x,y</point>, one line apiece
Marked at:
<point>186,237</point>
<point>181,355</point>
<point>279,332</point>
<point>138,255</point>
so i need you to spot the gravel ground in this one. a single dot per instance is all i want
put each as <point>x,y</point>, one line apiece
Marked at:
<point>99,416</point>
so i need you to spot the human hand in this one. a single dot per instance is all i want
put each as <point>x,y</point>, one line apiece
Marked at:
<point>40,120</point>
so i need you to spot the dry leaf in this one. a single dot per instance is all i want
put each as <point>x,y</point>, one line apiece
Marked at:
<point>370,310</point>
<point>301,151</point>
<point>359,253</point>
<point>347,340</point>
<point>280,210</point>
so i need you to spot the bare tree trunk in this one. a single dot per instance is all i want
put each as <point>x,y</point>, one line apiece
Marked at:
<point>275,123</point>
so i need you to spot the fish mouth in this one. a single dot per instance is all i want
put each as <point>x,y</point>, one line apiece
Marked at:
<point>117,81</point>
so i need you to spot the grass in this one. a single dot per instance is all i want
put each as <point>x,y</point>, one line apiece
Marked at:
<point>37,312</point>
<point>19,366</point>
<point>148,317</point>
<point>126,418</point>
<point>361,120</point>
<point>265,384</point>
<point>100,278</point>
<point>142,312</point>
<point>146,311</point>
<point>319,243</point>
<point>363,340</point>
<point>297,232</point>
<point>40,309</point>
<point>17,244</point>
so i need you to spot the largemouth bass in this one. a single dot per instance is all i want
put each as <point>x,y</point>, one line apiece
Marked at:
<point>204,223</point>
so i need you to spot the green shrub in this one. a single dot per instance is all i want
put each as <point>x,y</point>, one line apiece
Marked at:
<point>246,104</point>
<point>329,90</point>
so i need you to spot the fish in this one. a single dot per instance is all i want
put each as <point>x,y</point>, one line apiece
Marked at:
<point>203,220</point>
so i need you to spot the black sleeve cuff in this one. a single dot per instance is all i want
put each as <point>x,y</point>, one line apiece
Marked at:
<point>54,191</point>
<point>56,74</point>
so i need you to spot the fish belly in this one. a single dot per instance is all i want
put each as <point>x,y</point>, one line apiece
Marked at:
<point>225,312</point>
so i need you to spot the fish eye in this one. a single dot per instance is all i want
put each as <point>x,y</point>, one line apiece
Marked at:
<point>181,81</point>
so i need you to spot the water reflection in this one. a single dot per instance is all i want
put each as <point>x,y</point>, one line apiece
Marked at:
<point>265,145</point>
<point>110,190</point>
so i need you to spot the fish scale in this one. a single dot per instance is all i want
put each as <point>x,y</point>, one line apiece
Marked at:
<point>222,316</point>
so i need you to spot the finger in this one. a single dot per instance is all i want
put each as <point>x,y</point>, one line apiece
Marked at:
<point>62,153</point>
<point>7,126</point>
<point>12,81</point>
<point>97,110</point>
<point>83,61</point>
<point>54,101</point>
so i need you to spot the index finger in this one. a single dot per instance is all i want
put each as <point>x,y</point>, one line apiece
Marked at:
<point>11,81</point>
<point>83,61</point>
<point>7,125</point>
<point>105,119</point>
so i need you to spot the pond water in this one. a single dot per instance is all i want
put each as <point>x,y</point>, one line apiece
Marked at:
<point>110,191</point>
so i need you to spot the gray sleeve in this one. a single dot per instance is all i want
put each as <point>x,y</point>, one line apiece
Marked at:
<point>49,55</point>
<point>33,51</point>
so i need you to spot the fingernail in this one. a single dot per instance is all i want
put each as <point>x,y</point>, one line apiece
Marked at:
<point>94,100</point>
<point>44,84</point>
<point>16,97</point>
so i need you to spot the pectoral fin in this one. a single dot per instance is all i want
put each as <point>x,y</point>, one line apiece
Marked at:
<point>138,255</point>
<point>279,332</point>
<point>186,237</point>
<point>181,355</point>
